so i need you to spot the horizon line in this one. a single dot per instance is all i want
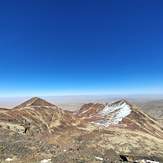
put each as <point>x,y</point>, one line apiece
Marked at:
<point>86,95</point>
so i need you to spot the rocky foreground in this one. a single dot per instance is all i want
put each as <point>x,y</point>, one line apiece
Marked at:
<point>37,131</point>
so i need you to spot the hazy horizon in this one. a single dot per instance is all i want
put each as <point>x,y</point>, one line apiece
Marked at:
<point>79,100</point>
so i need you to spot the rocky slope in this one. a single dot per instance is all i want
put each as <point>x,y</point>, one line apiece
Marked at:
<point>118,131</point>
<point>154,108</point>
<point>37,116</point>
<point>124,128</point>
<point>121,114</point>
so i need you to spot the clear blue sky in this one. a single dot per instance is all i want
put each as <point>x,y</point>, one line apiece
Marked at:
<point>73,47</point>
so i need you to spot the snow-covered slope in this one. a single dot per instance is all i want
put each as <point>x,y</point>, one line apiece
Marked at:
<point>121,114</point>
<point>114,113</point>
<point>105,114</point>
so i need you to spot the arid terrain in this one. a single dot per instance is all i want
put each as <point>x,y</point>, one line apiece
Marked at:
<point>114,131</point>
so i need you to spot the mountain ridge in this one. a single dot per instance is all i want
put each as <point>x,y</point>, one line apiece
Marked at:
<point>75,137</point>
<point>119,113</point>
<point>35,101</point>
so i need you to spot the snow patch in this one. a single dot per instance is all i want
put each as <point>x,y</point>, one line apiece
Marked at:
<point>46,160</point>
<point>8,159</point>
<point>148,161</point>
<point>85,111</point>
<point>113,113</point>
<point>99,158</point>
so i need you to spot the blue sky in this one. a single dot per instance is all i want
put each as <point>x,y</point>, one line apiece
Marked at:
<point>84,47</point>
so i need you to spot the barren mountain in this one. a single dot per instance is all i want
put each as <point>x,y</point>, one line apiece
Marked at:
<point>152,107</point>
<point>34,102</point>
<point>120,114</point>
<point>37,116</point>
<point>118,131</point>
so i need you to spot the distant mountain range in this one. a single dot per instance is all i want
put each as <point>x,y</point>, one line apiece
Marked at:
<point>118,128</point>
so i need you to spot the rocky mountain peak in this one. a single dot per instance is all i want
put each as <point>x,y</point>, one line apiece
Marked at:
<point>35,101</point>
<point>105,114</point>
